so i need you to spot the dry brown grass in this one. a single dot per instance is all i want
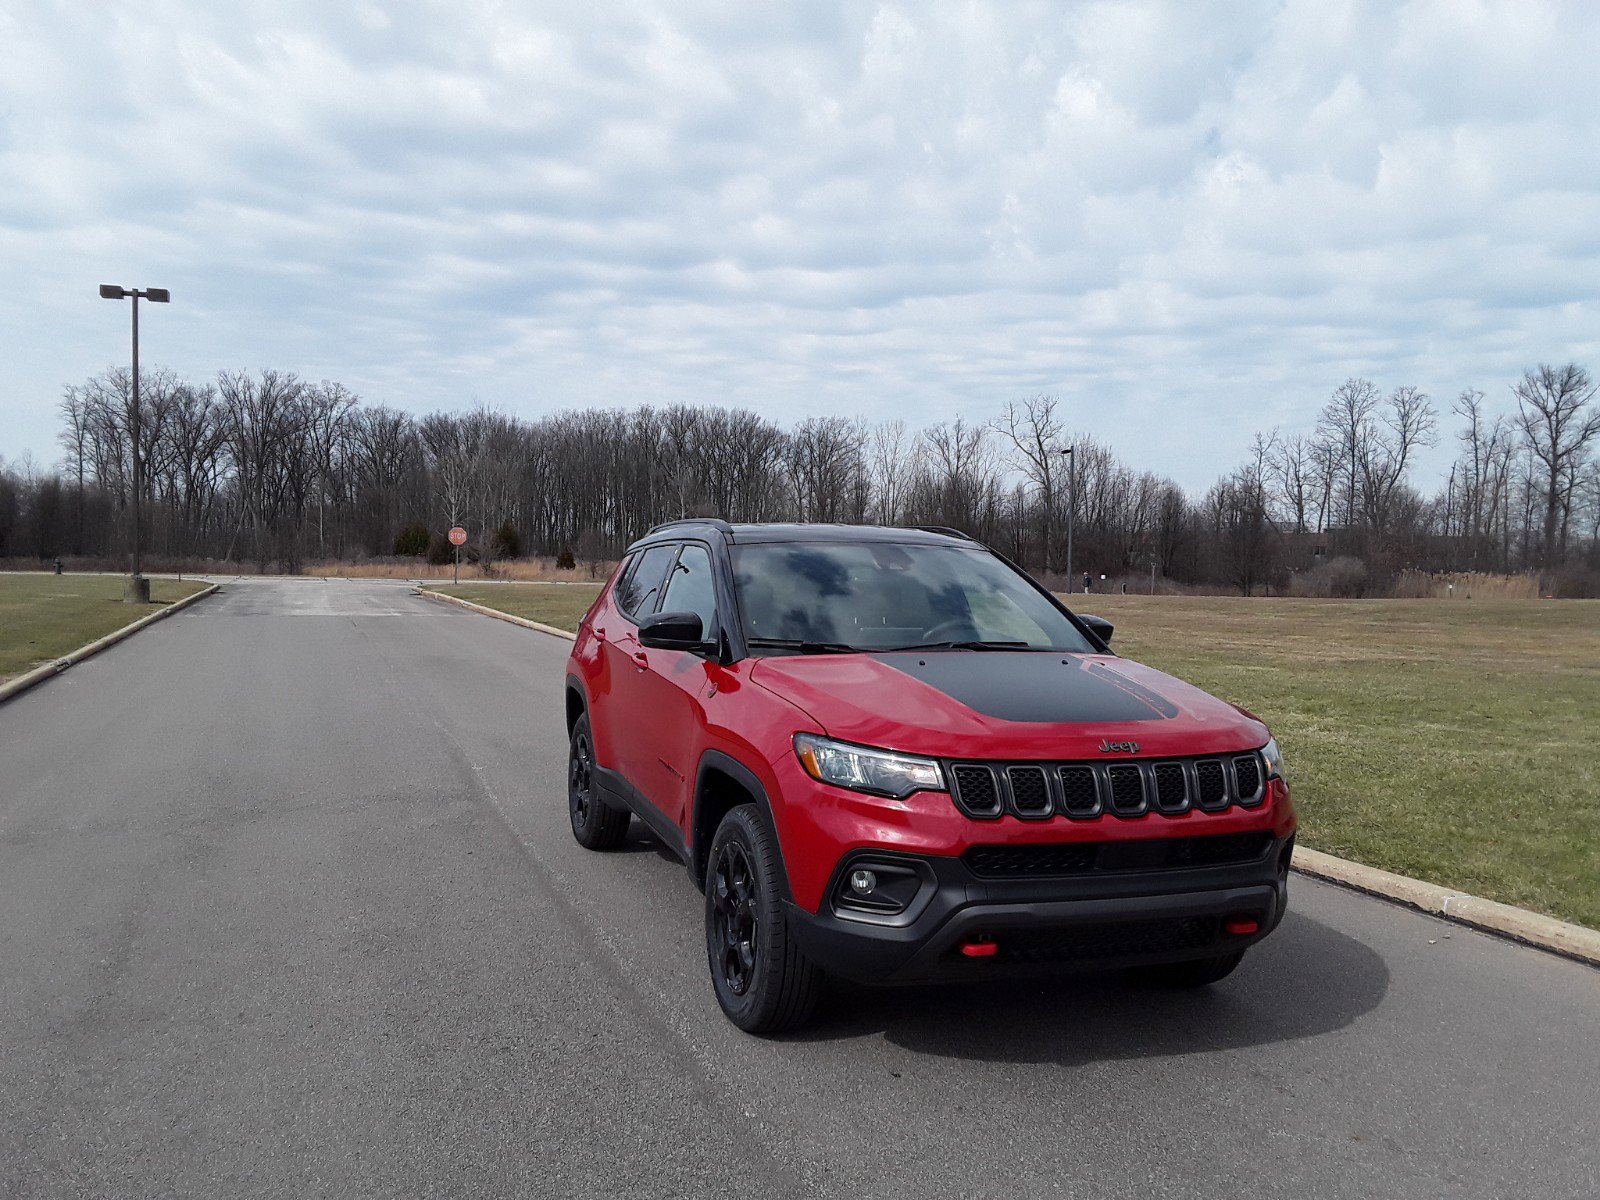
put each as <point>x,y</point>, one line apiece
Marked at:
<point>1465,585</point>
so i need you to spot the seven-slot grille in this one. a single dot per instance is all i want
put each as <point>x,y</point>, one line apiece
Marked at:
<point>1126,788</point>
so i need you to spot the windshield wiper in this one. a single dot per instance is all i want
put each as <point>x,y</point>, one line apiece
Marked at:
<point>969,645</point>
<point>802,645</point>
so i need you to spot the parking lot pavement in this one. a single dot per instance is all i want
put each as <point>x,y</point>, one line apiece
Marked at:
<point>291,908</point>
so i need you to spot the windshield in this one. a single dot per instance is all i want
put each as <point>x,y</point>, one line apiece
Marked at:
<point>887,596</point>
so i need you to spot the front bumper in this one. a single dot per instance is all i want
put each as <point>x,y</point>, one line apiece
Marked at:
<point>1045,926</point>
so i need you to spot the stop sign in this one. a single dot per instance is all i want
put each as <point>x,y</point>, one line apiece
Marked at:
<point>458,536</point>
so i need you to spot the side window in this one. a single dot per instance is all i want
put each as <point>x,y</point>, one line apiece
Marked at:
<point>624,571</point>
<point>637,595</point>
<point>690,588</point>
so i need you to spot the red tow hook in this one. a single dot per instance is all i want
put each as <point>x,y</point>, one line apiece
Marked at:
<point>1241,926</point>
<point>982,948</point>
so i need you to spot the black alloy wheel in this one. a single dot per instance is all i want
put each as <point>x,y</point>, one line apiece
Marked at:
<point>734,918</point>
<point>595,824</point>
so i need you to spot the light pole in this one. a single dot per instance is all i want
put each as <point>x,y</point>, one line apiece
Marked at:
<point>138,589</point>
<point>1072,504</point>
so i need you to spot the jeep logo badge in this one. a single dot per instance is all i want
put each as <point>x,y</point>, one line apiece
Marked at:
<point>1118,747</point>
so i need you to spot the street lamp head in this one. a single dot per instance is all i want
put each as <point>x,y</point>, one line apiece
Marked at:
<point>110,291</point>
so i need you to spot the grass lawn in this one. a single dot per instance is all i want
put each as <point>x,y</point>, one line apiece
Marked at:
<point>1453,741</point>
<point>558,604</point>
<point>43,617</point>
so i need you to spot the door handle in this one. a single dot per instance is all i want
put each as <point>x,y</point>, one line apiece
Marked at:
<point>640,661</point>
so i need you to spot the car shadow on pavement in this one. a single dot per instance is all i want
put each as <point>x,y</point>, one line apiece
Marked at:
<point>647,843</point>
<point>1306,979</point>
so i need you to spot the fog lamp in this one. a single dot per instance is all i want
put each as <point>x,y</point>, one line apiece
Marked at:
<point>879,886</point>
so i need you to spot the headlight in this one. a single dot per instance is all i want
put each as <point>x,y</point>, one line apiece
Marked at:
<point>1274,758</point>
<point>881,772</point>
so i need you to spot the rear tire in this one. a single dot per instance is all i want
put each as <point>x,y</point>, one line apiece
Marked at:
<point>764,982</point>
<point>595,824</point>
<point>1193,974</point>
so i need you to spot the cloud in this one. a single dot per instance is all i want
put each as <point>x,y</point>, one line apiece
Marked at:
<point>1188,220</point>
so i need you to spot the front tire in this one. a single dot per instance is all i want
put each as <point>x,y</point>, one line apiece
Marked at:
<point>764,982</point>
<point>595,824</point>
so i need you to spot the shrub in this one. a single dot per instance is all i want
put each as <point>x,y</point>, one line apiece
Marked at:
<point>1574,583</point>
<point>440,552</point>
<point>506,542</point>
<point>1341,578</point>
<point>565,561</point>
<point>412,541</point>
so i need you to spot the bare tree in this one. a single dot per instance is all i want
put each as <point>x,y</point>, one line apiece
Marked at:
<point>1551,404</point>
<point>1291,468</point>
<point>1484,469</point>
<point>1033,432</point>
<point>1406,422</point>
<point>264,423</point>
<point>1346,426</point>
<point>1246,547</point>
<point>894,464</point>
<point>826,469</point>
<point>960,484</point>
<point>75,438</point>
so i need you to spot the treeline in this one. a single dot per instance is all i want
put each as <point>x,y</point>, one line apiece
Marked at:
<point>275,471</point>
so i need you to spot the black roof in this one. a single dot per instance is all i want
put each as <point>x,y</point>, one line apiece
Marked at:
<point>746,532</point>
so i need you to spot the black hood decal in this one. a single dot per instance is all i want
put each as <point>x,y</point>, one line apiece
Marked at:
<point>1033,686</point>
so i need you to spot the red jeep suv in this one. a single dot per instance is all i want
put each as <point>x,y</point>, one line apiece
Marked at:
<point>890,755</point>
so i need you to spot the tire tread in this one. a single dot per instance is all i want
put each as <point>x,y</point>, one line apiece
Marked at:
<point>798,981</point>
<point>607,827</point>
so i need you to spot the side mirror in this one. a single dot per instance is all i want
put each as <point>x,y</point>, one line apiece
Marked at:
<point>1099,626</point>
<point>673,631</point>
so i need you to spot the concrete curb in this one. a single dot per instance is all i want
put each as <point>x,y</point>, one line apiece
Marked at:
<point>495,612</point>
<point>51,669</point>
<point>1531,928</point>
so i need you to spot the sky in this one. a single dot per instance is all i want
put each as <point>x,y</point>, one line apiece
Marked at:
<point>1187,221</point>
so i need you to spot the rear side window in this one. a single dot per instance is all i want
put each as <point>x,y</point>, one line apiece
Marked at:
<point>637,595</point>
<point>690,588</point>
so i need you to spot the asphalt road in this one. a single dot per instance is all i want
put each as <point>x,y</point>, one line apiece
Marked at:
<point>289,907</point>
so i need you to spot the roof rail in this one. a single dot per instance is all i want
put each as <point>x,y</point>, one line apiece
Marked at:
<point>716,523</point>
<point>947,530</point>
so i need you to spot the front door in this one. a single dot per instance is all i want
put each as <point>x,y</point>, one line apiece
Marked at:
<point>673,689</point>
<point>629,713</point>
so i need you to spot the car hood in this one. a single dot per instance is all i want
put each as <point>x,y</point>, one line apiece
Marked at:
<point>997,704</point>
